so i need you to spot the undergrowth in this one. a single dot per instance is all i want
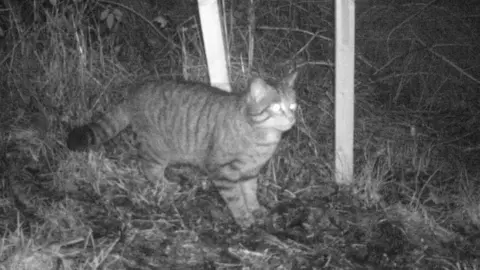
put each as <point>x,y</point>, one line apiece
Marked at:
<point>413,204</point>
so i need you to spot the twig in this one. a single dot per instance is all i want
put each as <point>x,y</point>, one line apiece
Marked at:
<point>409,18</point>
<point>366,61</point>
<point>448,61</point>
<point>404,74</point>
<point>317,63</point>
<point>306,45</point>
<point>295,30</point>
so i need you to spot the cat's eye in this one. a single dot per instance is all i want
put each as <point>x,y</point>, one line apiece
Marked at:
<point>276,107</point>
<point>293,106</point>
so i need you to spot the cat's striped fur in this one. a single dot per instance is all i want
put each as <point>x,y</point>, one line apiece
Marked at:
<point>229,135</point>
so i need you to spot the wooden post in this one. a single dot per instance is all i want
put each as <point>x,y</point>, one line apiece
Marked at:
<point>344,89</point>
<point>214,44</point>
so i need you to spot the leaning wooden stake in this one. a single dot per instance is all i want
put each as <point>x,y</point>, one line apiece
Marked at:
<point>214,45</point>
<point>344,89</point>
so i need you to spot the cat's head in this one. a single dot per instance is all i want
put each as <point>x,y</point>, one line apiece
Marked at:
<point>272,106</point>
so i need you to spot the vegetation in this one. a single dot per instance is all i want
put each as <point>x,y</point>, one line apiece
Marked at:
<point>414,204</point>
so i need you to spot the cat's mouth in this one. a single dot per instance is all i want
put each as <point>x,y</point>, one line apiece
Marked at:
<point>284,127</point>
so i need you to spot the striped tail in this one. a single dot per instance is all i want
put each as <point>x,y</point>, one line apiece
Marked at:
<point>95,133</point>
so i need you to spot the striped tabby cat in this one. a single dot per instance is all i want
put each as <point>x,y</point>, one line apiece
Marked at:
<point>229,135</point>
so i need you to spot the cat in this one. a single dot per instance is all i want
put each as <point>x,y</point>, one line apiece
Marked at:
<point>231,136</point>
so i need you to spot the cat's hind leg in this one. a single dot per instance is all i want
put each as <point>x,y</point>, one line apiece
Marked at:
<point>153,168</point>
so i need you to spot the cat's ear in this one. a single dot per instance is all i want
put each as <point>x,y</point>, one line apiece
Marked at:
<point>258,90</point>
<point>289,80</point>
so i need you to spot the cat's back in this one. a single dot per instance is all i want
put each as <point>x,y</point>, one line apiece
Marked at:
<point>171,103</point>
<point>180,119</point>
<point>155,92</point>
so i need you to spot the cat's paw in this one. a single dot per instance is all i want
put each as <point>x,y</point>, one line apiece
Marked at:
<point>260,215</point>
<point>168,189</point>
<point>246,222</point>
<point>171,187</point>
<point>253,218</point>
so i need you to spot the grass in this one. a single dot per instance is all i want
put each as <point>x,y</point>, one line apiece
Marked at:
<point>414,203</point>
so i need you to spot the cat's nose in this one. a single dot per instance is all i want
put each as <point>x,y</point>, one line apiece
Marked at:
<point>290,118</point>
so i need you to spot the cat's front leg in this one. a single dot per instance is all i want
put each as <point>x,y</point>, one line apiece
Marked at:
<point>249,189</point>
<point>241,199</point>
<point>155,174</point>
